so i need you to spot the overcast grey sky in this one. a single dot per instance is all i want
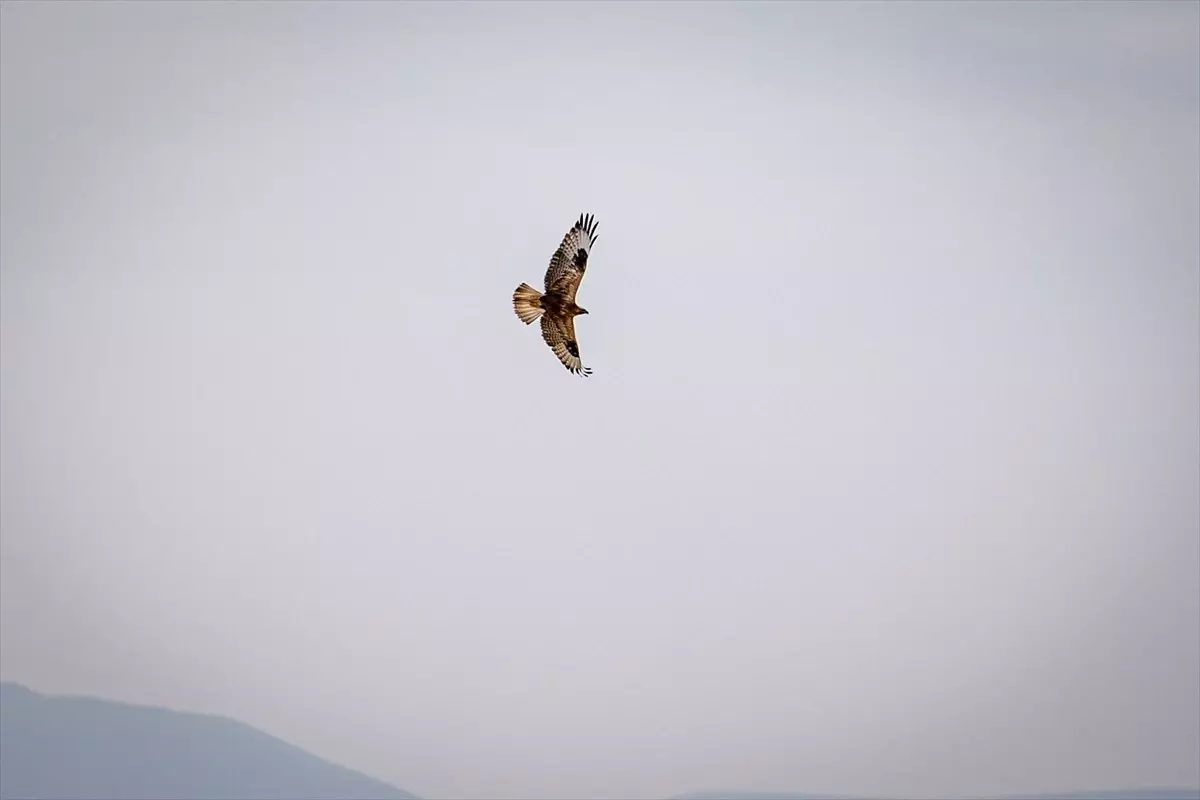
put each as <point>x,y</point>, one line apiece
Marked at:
<point>887,477</point>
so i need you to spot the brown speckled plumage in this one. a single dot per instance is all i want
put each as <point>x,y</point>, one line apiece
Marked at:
<point>556,306</point>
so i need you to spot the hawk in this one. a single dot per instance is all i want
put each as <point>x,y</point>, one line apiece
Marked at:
<point>556,307</point>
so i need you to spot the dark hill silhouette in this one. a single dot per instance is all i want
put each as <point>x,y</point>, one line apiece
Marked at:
<point>78,747</point>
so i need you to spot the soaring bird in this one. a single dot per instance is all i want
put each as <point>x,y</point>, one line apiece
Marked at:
<point>556,306</point>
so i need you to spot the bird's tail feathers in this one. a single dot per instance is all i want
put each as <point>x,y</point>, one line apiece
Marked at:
<point>527,302</point>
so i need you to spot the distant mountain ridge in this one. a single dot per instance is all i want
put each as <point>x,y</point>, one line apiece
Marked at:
<point>60,747</point>
<point>68,748</point>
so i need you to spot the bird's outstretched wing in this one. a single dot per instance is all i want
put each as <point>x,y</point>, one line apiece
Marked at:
<point>569,261</point>
<point>559,333</point>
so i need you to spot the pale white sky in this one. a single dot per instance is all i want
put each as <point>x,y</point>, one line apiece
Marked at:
<point>887,477</point>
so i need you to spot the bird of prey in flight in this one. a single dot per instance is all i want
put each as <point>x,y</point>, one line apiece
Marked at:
<point>556,306</point>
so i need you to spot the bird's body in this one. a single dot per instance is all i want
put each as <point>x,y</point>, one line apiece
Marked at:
<point>556,307</point>
<point>557,304</point>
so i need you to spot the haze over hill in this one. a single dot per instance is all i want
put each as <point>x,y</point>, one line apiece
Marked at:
<point>66,747</point>
<point>1108,794</point>
<point>60,747</point>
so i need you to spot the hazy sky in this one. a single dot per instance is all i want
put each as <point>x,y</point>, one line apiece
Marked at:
<point>887,477</point>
